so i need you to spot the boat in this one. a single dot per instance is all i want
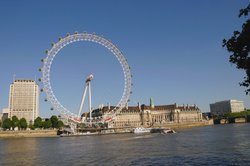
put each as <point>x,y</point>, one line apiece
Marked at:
<point>162,131</point>
<point>168,131</point>
<point>77,134</point>
<point>140,130</point>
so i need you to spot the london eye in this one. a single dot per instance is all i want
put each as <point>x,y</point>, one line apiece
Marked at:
<point>47,63</point>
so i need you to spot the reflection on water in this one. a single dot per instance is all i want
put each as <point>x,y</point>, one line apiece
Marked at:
<point>211,145</point>
<point>21,151</point>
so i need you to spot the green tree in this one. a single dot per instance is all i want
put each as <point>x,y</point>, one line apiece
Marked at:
<point>47,124</point>
<point>54,121</point>
<point>38,123</point>
<point>15,122</point>
<point>60,124</point>
<point>0,123</point>
<point>31,126</point>
<point>7,124</point>
<point>237,114</point>
<point>23,123</point>
<point>239,47</point>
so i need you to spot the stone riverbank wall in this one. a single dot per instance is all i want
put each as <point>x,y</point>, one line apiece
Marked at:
<point>28,133</point>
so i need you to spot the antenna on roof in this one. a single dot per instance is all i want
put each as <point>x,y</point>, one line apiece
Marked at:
<point>14,77</point>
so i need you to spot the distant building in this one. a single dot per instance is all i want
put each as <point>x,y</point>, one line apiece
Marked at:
<point>227,106</point>
<point>24,100</point>
<point>4,114</point>
<point>158,115</point>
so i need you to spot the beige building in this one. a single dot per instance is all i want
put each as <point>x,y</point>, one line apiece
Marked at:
<point>24,100</point>
<point>4,114</point>
<point>151,115</point>
<point>227,106</point>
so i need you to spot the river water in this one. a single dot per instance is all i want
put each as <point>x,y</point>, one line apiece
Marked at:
<point>210,145</point>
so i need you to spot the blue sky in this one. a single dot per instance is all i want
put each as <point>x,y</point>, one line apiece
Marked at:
<point>173,47</point>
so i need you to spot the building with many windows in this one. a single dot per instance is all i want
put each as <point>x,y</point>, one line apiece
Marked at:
<point>227,106</point>
<point>152,115</point>
<point>24,100</point>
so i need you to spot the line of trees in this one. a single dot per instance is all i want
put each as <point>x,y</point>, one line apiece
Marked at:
<point>13,123</point>
<point>53,122</point>
<point>237,114</point>
<point>22,124</point>
<point>230,117</point>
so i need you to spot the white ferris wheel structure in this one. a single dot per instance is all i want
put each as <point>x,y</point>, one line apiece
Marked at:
<point>47,63</point>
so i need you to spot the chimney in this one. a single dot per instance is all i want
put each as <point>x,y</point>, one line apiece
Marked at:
<point>151,103</point>
<point>108,106</point>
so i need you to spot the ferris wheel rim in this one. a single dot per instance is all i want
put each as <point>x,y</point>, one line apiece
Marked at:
<point>63,42</point>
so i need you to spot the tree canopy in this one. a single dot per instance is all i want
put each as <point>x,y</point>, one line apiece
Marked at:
<point>239,47</point>
<point>7,124</point>
<point>47,124</point>
<point>15,122</point>
<point>38,123</point>
<point>237,114</point>
<point>60,124</point>
<point>23,123</point>
<point>54,121</point>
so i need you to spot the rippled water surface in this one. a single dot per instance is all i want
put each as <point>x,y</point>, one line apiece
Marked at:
<point>211,145</point>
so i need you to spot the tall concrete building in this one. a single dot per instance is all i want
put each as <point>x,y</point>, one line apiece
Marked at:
<point>24,100</point>
<point>227,106</point>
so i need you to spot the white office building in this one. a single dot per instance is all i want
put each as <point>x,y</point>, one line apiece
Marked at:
<point>227,106</point>
<point>24,100</point>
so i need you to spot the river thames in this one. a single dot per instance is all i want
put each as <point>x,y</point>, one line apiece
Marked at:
<point>210,145</point>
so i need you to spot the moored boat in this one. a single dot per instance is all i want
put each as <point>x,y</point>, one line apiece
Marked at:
<point>168,131</point>
<point>78,134</point>
<point>162,130</point>
<point>139,130</point>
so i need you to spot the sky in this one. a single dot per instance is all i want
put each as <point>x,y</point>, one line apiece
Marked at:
<point>174,49</point>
